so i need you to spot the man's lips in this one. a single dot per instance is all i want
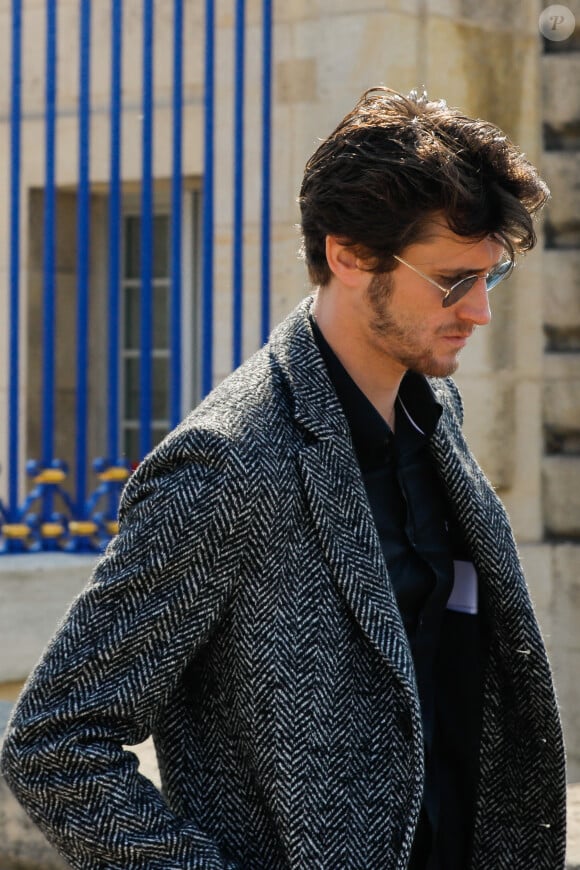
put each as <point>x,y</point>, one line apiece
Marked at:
<point>459,339</point>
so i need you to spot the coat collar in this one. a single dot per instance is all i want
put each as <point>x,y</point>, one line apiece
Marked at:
<point>315,404</point>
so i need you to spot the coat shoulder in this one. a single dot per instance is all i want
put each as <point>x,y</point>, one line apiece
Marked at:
<point>243,423</point>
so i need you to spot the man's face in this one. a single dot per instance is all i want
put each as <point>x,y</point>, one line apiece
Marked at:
<point>407,324</point>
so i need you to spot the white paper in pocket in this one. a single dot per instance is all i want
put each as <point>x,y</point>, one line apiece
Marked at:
<point>463,598</point>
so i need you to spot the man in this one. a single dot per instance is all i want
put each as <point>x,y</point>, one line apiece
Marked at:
<point>315,603</point>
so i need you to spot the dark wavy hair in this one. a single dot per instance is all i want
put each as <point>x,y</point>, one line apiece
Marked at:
<point>394,162</point>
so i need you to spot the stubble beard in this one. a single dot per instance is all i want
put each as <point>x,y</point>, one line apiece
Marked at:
<point>401,342</point>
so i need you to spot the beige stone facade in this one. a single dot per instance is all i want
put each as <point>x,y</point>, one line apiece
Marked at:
<point>521,376</point>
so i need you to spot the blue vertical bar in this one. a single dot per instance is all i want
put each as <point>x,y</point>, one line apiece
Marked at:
<point>49,302</point>
<point>14,338</point>
<point>145,406</point>
<point>114,278</point>
<point>266,166</point>
<point>238,241</point>
<point>208,202</point>
<point>83,254</point>
<point>176,208</point>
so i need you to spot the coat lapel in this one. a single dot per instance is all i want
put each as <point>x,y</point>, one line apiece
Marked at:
<point>337,497</point>
<point>481,516</point>
<point>350,544</point>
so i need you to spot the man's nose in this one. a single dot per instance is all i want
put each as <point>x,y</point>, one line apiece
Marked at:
<point>474,306</point>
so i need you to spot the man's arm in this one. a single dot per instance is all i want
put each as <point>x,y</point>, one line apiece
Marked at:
<point>155,596</point>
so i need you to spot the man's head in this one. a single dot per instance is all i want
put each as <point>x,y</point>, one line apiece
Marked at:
<point>395,163</point>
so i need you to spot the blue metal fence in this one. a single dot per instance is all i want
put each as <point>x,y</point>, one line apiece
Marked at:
<point>83,255</point>
<point>14,258</point>
<point>43,514</point>
<point>208,196</point>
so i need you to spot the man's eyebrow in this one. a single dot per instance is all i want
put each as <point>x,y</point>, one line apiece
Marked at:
<point>457,273</point>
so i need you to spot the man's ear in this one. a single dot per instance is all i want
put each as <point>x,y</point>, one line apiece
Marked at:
<point>343,262</point>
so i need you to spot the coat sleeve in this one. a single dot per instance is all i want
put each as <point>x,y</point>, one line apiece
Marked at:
<point>164,582</point>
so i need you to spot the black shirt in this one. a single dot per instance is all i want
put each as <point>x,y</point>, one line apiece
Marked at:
<point>420,541</point>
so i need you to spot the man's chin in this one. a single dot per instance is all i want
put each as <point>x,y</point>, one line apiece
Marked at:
<point>436,368</point>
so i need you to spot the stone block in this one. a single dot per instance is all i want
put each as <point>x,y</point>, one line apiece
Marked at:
<point>537,563</point>
<point>35,591</point>
<point>456,57</point>
<point>573,845</point>
<point>288,271</point>
<point>6,16</point>
<point>3,448</point>
<point>561,483</point>
<point>298,10</point>
<point>297,80</point>
<point>566,599</point>
<point>561,91</point>
<point>562,392</point>
<point>523,498</point>
<point>329,8</point>
<point>562,170</point>
<point>361,49</point>
<point>561,288</point>
<point>503,419</point>
<point>566,653</point>
<point>526,292</point>
<point>488,14</point>
<point>489,425</point>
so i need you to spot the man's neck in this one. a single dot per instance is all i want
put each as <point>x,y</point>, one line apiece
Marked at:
<point>369,371</point>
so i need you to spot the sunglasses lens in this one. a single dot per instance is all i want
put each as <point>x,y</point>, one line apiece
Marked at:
<point>459,291</point>
<point>499,273</point>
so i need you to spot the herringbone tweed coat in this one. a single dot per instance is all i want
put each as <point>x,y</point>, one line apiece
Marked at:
<point>244,615</point>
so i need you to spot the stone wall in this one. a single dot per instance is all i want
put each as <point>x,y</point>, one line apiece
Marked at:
<point>561,372</point>
<point>35,591</point>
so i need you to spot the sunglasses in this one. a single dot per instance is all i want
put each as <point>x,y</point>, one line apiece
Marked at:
<point>457,291</point>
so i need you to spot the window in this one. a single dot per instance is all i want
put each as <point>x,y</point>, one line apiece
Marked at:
<point>161,337</point>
